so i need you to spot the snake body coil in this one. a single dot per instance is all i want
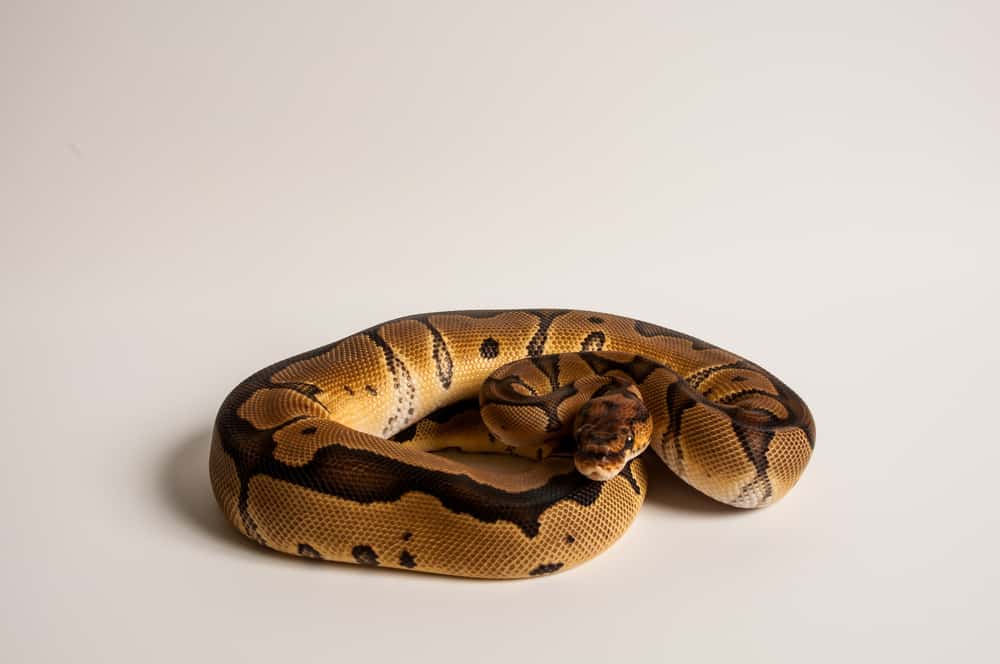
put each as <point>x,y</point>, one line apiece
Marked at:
<point>329,454</point>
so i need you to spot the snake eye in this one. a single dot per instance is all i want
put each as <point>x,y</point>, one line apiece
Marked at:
<point>629,439</point>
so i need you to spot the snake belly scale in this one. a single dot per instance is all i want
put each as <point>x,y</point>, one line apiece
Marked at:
<point>331,454</point>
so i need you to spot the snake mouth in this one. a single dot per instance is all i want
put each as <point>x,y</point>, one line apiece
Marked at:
<point>604,445</point>
<point>600,471</point>
<point>598,462</point>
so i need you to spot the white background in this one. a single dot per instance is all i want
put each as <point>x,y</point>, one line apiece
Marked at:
<point>191,191</point>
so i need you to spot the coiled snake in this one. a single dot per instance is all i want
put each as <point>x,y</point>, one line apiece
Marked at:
<point>330,454</point>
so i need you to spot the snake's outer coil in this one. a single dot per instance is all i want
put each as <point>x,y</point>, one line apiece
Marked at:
<point>326,454</point>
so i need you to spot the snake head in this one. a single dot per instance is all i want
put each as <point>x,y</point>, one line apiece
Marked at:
<point>610,430</point>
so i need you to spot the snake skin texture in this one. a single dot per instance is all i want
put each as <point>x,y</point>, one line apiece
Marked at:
<point>332,454</point>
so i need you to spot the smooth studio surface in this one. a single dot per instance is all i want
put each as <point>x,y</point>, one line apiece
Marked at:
<point>189,192</point>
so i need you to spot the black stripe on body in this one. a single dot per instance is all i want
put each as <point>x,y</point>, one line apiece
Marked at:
<point>404,388</point>
<point>443,363</point>
<point>545,319</point>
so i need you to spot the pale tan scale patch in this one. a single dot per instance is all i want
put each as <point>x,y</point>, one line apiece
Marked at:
<point>713,460</point>
<point>464,431</point>
<point>787,458</point>
<point>333,433</point>
<point>440,541</point>
<point>522,472</point>
<point>330,433</point>
<point>267,408</point>
<point>514,465</point>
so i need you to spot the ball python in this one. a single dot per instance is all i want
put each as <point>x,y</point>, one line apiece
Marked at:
<point>337,453</point>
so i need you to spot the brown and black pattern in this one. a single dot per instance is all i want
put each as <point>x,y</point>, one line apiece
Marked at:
<point>591,397</point>
<point>593,341</point>
<point>442,356</point>
<point>513,391</point>
<point>302,462</point>
<point>545,319</point>
<point>404,388</point>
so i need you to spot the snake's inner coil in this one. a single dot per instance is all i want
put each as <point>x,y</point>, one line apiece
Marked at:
<point>590,398</point>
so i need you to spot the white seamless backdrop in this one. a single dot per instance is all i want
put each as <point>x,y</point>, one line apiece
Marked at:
<point>192,190</point>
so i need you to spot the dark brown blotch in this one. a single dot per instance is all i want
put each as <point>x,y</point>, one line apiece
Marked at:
<point>407,560</point>
<point>546,568</point>
<point>593,341</point>
<point>407,434</point>
<point>489,349</point>
<point>365,555</point>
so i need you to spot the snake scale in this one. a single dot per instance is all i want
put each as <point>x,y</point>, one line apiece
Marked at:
<point>336,453</point>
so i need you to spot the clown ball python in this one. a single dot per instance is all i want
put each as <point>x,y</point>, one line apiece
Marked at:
<point>335,454</point>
